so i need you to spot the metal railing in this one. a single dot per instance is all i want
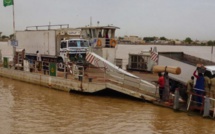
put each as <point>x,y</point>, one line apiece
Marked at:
<point>198,100</point>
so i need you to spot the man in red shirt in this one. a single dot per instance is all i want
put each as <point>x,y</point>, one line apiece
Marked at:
<point>161,84</point>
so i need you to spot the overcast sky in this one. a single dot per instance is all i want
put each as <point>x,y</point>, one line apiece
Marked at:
<point>175,19</point>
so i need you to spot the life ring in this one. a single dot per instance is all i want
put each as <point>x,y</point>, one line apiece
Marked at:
<point>99,43</point>
<point>60,65</point>
<point>112,43</point>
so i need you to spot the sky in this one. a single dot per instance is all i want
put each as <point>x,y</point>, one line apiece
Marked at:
<point>173,19</point>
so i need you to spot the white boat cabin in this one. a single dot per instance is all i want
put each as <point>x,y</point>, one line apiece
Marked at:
<point>100,36</point>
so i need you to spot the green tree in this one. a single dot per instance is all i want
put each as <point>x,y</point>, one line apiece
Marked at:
<point>163,38</point>
<point>4,37</point>
<point>148,39</point>
<point>11,36</point>
<point>188,40</point>
<point>210,43</point>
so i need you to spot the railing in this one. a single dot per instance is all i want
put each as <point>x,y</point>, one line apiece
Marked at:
<point>134,84</point>
<point>47,26</point>
<point>200,100</point>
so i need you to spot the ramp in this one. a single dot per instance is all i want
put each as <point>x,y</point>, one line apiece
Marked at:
<point>121,80</point>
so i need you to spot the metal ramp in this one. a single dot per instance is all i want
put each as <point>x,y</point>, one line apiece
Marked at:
<point>122,81</point>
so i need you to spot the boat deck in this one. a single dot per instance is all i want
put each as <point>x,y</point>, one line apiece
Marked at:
<point>92,80</point>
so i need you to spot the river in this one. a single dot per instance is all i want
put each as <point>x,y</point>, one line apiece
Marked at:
<point>32,109</point>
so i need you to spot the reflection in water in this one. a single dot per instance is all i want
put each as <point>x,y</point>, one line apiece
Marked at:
<point>31,109</point>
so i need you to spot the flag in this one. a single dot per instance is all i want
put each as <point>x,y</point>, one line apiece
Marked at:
<point>52,69</point>
<point>7,2</point>
<point>154,56</point>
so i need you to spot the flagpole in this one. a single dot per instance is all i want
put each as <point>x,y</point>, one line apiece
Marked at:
<point>14,35</point>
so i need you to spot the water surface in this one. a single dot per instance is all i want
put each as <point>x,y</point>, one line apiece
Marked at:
<point>31,109</point>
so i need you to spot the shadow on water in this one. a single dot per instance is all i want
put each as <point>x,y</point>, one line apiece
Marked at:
<point>109,93</point>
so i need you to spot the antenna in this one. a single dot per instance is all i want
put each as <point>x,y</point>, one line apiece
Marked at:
<point>90,21</point>
<point>49,25</point>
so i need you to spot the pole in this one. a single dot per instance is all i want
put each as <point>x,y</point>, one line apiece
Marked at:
<point>14,35</point>
<point>212,52</point>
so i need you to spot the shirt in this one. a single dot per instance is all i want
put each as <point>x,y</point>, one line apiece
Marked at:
<point>161,82</point>
<point>38,57</point>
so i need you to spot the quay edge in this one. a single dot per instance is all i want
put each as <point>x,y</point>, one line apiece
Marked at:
<point>68,85</point>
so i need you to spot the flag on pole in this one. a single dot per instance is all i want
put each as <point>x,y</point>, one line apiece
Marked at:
<point>7,2</point>
<point>154,56</point>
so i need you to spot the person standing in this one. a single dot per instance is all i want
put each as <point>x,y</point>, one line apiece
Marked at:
<point>212,90</point>
<point>207,84</point>
<point>199,86</point>
<point>38,56</point>
<point>161,84</point>
<point>38,60</point>
<point>166,87</point>
<point>189,86</point>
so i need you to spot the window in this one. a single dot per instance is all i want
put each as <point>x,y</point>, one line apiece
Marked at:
<point>84,44</point>
<point>63,45</point>
<point>208,73</point>
<point>73,44</point>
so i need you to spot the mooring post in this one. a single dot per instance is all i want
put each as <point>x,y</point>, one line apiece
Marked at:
<point>189,102</point>
<point>176,100</point>
<point>206,107</point>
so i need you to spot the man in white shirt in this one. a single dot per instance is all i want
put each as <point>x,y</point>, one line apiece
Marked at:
<point>38,56</point>
<point>38,61</point>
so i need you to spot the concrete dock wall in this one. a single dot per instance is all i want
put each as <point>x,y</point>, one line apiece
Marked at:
<point>52,82</point>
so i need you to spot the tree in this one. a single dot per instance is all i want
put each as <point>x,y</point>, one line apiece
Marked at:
<point>163,38</point>
<point>148,39</point>
<point>4,37</point>
<point>11,36</point>
<point>188,40</point>
<point>210,43</point>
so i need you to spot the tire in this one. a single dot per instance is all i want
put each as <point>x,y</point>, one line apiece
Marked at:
<point>60,65</point>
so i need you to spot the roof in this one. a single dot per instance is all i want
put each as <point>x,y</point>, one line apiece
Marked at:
<point>99,27</point>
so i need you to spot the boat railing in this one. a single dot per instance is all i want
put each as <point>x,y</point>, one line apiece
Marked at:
<point>134,83</point>
<point>201,100</point>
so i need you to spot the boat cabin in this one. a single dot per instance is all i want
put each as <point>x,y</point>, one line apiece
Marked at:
<point>100,36</point>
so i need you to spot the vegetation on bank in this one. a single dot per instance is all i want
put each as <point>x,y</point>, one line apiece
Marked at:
<point>164,40</point>
<point>5,37</point>
<point>149,40</point>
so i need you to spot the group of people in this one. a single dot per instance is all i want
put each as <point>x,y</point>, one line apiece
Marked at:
<point>204,85</point>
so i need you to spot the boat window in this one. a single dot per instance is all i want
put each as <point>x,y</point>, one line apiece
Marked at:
<point>63,45</point>
<point>100,33</point>
<point>84,33</point>
<point>93,33</point>
<point>73,44</point>
<point>106,33</point>
<point>90,33</point>
<point>84,44</point>
<point>112,33</point>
